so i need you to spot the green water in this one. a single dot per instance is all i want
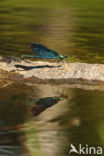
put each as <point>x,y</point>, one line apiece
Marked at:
<point>78,119</point>
<point>73,28</point>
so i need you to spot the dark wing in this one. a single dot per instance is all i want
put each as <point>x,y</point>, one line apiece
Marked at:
<point>42,104</point>
<point>40,50</point>
<point>47,102</point>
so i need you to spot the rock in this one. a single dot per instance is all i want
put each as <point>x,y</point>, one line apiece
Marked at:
<point>40,71</point>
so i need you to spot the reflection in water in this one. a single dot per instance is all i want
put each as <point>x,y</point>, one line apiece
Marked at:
<point>73,28</point>
<point>10,143</point>
<point>77,118</point>
<point>11,120</point>
<point>43,103</point>
<point>89,109</point>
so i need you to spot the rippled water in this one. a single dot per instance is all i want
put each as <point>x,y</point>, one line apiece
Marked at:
<point>74,28</point>
<point>78,118</point>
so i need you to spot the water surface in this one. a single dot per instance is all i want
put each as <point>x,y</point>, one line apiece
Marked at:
<point>78,118</point>
<point>74,28</point>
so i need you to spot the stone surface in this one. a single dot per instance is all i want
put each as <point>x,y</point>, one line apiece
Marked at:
<point>53,70</point>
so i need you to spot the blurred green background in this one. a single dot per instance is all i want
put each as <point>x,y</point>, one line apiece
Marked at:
<point>74,28</point>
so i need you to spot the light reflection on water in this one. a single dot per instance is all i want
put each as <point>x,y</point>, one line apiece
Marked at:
<point>74,28</point>
<point>77,119</point>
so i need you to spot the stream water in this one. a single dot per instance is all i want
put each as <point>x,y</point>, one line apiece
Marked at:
<point>46,126</point>
<point>78,118</point>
